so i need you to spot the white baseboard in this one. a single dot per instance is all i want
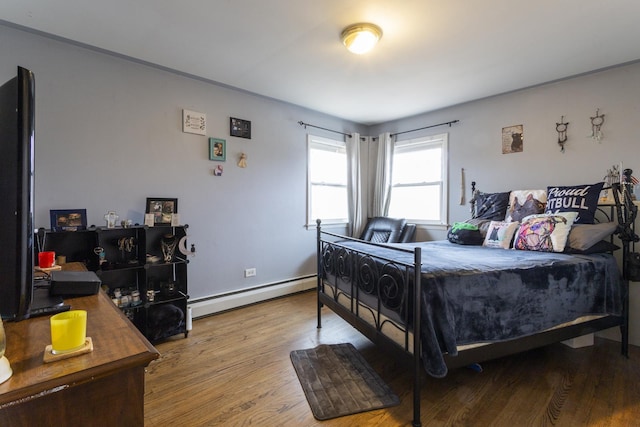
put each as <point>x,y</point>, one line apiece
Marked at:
<point>224,302</point>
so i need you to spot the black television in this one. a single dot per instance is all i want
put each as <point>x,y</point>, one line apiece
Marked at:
<point>17,137</point>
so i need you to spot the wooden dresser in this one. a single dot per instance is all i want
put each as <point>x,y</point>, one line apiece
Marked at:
<point>102,388</point>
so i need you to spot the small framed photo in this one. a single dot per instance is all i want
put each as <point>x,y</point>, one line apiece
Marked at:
<point>217,149</point>
<point>240,128</point>
<point>162,209</point>
<point>68,219</point>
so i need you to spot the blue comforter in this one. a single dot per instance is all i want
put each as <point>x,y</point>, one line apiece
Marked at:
<point>474,294</point>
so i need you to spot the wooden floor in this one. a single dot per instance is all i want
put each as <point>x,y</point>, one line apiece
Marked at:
<point>234,370</point>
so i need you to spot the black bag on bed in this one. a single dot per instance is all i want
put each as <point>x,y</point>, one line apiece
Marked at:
<point>463,233</point>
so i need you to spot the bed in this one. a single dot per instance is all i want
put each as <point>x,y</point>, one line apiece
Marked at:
<point>474,302</point>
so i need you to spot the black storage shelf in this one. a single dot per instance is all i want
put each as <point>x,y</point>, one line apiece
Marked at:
<point>123,268</point>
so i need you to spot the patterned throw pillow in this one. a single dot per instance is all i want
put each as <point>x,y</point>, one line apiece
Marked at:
<point>500,234</point>
<point>491,205</point>
<point>544,232</point>
<point>525,202</point>
<point>578,198</point>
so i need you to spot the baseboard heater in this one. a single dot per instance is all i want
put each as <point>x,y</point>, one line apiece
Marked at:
<point>202,307</point>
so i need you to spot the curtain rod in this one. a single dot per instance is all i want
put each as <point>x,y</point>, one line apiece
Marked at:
<point>301,123</point>
<point>426,127</point>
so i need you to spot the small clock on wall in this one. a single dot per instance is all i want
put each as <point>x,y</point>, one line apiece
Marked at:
<point>240,128</point>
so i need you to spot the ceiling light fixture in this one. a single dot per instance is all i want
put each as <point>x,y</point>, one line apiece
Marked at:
<point>361,38</point>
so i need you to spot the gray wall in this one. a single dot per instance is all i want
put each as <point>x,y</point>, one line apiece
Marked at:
<point>108,135</point>
<point>475,142</point>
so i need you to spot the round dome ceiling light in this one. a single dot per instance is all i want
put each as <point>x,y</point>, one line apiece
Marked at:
<point>361,38</point>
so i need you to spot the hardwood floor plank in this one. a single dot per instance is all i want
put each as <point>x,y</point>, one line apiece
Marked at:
<point>234,370</point>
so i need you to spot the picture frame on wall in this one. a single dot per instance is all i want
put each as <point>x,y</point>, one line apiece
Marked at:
<point>512,139</point>
<point>68,219</point>
<point>240,128</point>
<point>217,149</point>
<point>194,122</point>
<point>163,209</point>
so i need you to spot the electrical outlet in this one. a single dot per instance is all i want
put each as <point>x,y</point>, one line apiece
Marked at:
<point>249,272</point>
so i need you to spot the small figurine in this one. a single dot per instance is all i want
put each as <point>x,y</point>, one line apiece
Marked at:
<point>101,255</point>
<point>112,218</point>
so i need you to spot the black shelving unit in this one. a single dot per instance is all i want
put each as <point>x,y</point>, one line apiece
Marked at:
<point>145,281</point>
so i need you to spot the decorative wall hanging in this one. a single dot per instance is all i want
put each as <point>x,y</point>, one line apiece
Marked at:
<point>194,122</point>
<point>561,128</point>
<point>217,149</point>
<point>240,128</point>
<point>596,126</point>
<point>217,171</point>
<point>512,139</point>
<point>243,160</point>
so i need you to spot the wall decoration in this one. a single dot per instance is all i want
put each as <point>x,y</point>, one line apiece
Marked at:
<point>240,128</point>
<point>243,160</point>
<point>596,126</point>
<point>217,149</point>
<point>68,219</point>
<point>217,171</point>
<point>512,139</point>
<point>162,209</point>
<point>561,128</point>
<point>194,122</point>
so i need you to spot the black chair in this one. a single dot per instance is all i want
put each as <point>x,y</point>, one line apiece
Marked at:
<point>382,229</point>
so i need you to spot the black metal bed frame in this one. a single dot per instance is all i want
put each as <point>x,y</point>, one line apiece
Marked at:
<point>390,286</point>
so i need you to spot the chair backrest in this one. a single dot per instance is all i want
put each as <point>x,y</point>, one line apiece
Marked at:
<point>384,230</point>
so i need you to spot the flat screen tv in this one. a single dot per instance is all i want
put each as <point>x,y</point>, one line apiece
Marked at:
<point>17,132</point>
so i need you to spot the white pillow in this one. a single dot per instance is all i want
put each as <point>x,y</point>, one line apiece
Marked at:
<point>500,234</point>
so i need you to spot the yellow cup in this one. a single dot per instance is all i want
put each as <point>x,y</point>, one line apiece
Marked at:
<point>68,331</point>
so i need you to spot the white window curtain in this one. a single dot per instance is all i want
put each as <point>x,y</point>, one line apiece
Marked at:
<point>354,185</point>
<point>382,187</point>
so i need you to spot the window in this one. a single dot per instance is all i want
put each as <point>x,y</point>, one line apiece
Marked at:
<point>327,180</point>
<point>418,180</point>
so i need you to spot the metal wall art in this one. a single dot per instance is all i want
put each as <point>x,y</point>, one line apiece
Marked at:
<point>561,128</point>
<point>596,126</point>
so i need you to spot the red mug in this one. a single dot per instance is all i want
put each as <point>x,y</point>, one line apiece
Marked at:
<point>46,259</point>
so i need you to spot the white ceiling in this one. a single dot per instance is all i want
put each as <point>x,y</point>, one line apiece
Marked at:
<point>433,54</point>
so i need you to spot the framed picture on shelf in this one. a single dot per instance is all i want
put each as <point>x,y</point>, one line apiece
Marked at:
<point>162,209</point>
<point>217,149</point>
<point>240,128</point>
<point>68,219</point>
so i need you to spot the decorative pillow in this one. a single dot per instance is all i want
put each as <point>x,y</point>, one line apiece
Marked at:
<point>578,198</point>
<point>583,236</point>
<point>600,247</point>
<point>464,233</point>
<point>544,232</point>
<point>491,205</point>
<point>525,202</point>
<point>500,234</point>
